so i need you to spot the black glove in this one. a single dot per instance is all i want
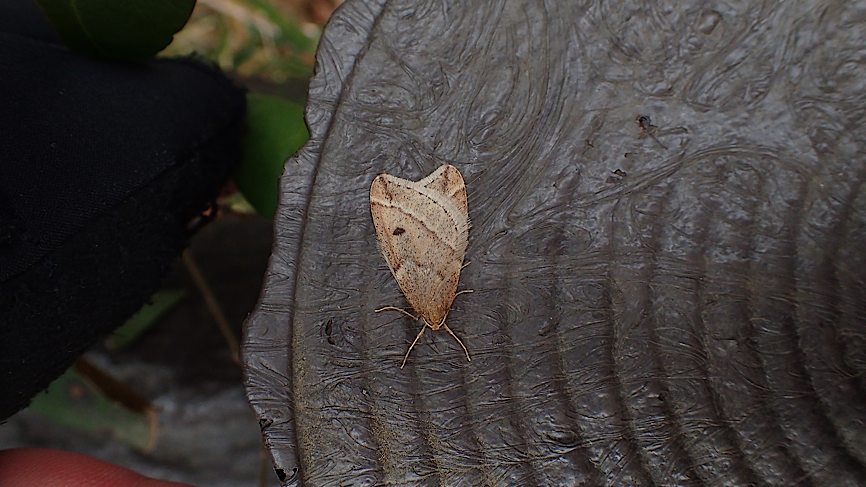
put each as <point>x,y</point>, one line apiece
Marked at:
<point>102,165</point>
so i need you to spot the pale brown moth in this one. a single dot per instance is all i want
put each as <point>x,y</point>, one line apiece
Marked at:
<point>423,230</point>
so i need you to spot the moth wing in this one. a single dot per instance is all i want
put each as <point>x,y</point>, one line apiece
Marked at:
<point>425,290</point>
<point>448,181</point>
<point>386,219</point>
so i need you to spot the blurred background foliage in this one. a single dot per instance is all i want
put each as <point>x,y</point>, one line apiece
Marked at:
<point>269,46</point>
<point>270,40</point>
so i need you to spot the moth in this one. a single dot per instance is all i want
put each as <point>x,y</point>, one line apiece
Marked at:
<point>423,230</point>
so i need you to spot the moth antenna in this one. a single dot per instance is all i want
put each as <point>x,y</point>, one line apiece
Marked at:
<point>466,264</point>
<point>406,357</point>
<point>394,308</point>
<point>455,337</point>
<point>465,291</point>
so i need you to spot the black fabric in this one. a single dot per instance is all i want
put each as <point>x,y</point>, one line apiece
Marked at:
<point>24,17</point>
<point>101,167</point>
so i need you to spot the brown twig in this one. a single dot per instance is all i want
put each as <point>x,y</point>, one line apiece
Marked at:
<point>213,305</point>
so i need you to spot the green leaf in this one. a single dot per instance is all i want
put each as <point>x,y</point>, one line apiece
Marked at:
<point>74,401</point>
<point>129,30</point>
<point>149,314</point>
<point>275,131</point>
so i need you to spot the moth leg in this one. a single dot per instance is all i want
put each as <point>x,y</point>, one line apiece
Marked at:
<point>406,357</point>
<point>466,264</point>
<point>465,291</point>
<point>394,308</point>
<point>458,340</point>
